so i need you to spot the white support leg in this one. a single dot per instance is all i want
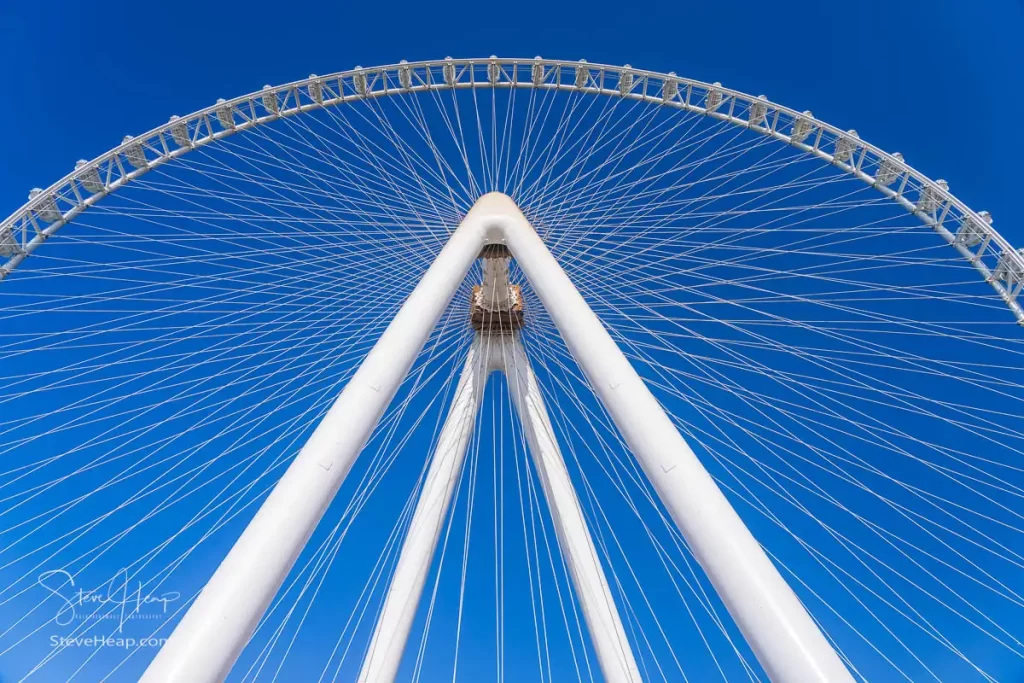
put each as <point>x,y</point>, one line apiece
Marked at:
<point>779,629</point>
<point>393,626</point>
<point>785,638</point>
<point>208,640</point>
<point>599,611</point>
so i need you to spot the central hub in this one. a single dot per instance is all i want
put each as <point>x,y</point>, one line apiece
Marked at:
<point>495,305</point>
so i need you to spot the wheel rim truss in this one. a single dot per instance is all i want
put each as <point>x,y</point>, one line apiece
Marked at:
<point>969,232</point>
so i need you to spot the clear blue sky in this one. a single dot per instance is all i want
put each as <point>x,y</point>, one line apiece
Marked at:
<point>939,81</point>
<point>928,78</point>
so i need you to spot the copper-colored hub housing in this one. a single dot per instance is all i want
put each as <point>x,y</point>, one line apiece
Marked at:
<point>484,315</point>
<point>496,322</point>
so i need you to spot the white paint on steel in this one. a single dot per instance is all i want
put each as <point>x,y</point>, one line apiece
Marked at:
<point>778,628</point>
<point>487,354</point>
<point>599,611</point>
<point>392,630</point>
<point>25,230</point>
<point>785,638</point>
<point>217,626</point>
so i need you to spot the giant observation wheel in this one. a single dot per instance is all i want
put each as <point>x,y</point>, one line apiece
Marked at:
<point>577,372</point>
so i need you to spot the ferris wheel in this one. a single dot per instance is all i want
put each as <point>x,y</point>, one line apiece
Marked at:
<point>513,370</point>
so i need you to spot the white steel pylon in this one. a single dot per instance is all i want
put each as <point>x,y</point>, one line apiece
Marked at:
<point>781,632</point>
<point>497,349</point>
<point>392,628</point>
<point>599,611</point>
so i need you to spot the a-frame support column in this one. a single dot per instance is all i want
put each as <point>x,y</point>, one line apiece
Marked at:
<point>217,626</point>
<point>596,602</point>
<point>498,352</point>
<point>392,629</point>
<point>781,632</point>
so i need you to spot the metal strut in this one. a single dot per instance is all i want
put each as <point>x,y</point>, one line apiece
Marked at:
<point>780,631</point>
<point>392,629</point>
<point>496,312</point>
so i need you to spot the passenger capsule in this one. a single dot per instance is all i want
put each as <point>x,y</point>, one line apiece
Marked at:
<point>758,111</point>
<point>670,87</point>
<point>179,132</point>
<point>449,72</point>
<point>46,206</point>
<point>972,231</point>
<point>889,170</point>
<point>625,81</point>
<point>845,146</point>
<point>802,127</point>
<point>8,243</point>
<point>1009,269</point>
<point>315,89</point>
<point>537,72</point>
<point>134,153</point>
<point>713,98</point>
<point>226,115</point>
<point>582,74</point>
<point>89,177</point>
<point>404,74</point>
<point>269,99</point>
<point>931,196</point>
<point>493,71</point>
<point>359,81</point>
